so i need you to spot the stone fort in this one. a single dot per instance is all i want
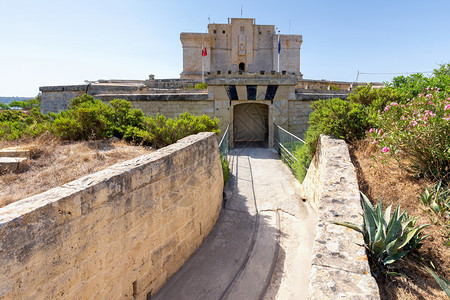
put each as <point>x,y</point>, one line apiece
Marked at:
<point>253,80</point>
<point>124,231</point>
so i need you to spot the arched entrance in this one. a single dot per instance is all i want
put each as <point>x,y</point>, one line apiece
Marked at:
<point>251,124</point>
<point>242,67</point>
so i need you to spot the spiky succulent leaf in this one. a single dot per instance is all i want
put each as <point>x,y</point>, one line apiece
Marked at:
<point>443,283</point>
<point>391,248</point>
<point>377,248</point>
<point>387,215</point>
<point>426,198</point>
<point>404,239</point>
<point>350,225</point>
<point>393,258</point>
<point>369,219</point>
<point>394,226</point>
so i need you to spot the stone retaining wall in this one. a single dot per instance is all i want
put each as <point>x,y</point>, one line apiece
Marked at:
<point>119,233</point>
<point>340,269</point>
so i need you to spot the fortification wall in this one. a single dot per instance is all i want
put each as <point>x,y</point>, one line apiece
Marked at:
<point>340,269</point>
<point>119,233</point>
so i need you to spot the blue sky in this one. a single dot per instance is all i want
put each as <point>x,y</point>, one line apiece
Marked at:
<point>51,42</point>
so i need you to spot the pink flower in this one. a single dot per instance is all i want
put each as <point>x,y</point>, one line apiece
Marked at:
<point>386,149</point>
<point>447,107</point>
<point>394,104</point>
<point>371,130</point>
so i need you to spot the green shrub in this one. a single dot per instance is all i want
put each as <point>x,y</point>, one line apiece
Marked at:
<point>4,106</point>
<point>335,117</point>
<point>417,134</point>
<point>304,156</point>
<point>123,117</point>
<point>387,238</point>
<point>375,99</point>
<point>16,124</point>
<point>225,169</point>
<point>86,118</point>
<point>160,131</point>
<point>413,85</point>
<point>201,86</point>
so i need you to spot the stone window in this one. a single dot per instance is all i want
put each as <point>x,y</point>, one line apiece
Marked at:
<point>214,31</point>
<point>223,31</point>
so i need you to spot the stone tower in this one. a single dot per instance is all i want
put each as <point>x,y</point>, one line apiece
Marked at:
<point>240,45</point>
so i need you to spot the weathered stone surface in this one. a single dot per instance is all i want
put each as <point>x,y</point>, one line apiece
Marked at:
<point>13,164</point>
<point>119,232</point>
<point>16,151</point>
<point>240,45</point>
<point>339,262</point>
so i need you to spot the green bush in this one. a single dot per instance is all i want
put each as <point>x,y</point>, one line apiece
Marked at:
<point>225,169</point>
<point>417,134</point>
<point>335,117</point>
<point>123,117</point>
<point>304,156</point>
<point>201,86</point>
<point>15,124</point>
<point>161,131</point>
<point>413,85</point>
<point>387,238</point>
<point>86,118</point>
<point>375,99</point>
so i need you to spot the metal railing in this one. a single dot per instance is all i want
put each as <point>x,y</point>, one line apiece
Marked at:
<point>286,143</point>
<point>224,145</point>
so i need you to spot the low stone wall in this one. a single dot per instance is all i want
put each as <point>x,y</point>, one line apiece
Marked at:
<point>119,233</point>
<point>340,269</point>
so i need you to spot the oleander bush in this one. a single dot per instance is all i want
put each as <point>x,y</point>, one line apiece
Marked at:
<point>417,134</point>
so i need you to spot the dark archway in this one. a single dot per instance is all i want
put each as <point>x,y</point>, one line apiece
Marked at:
<point>242,67</point>
<point>251,124</point>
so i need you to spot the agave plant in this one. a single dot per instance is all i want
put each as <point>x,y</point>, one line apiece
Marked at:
<point>438,200</point>
<point>388,238</point>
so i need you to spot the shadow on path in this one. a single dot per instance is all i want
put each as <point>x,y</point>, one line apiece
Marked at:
<point>261,243</point>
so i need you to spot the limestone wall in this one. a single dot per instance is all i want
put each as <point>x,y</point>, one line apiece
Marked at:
<point>116,234</point>
<point>340,269</point>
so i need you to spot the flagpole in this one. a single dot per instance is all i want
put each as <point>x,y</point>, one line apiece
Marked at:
<point>203,64</point>
<point>278,51</point>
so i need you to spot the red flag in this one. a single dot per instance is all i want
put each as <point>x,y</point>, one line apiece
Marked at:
<point>204,53</point>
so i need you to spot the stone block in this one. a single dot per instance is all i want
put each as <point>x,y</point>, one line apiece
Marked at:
<point>13,164</point>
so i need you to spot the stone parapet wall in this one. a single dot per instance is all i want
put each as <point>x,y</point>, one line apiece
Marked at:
<point>119,233</point>
<point>340,269</point>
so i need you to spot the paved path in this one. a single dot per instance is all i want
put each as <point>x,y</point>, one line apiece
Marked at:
<point>260,247</point>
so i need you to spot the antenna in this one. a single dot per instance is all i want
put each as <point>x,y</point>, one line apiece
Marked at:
<point>209,19</point>
<point>241,10</point>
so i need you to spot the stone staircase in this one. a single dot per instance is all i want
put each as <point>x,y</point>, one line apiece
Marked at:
<point>14,159</point>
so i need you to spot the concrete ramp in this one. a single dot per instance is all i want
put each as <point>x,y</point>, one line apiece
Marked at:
<point>261,245</point>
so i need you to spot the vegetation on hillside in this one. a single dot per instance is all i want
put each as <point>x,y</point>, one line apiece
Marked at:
<point>405,128</point>
<point>91,119</point>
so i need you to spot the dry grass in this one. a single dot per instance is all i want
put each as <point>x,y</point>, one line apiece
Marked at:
<point>54,163</point>
<point>395,186</point>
